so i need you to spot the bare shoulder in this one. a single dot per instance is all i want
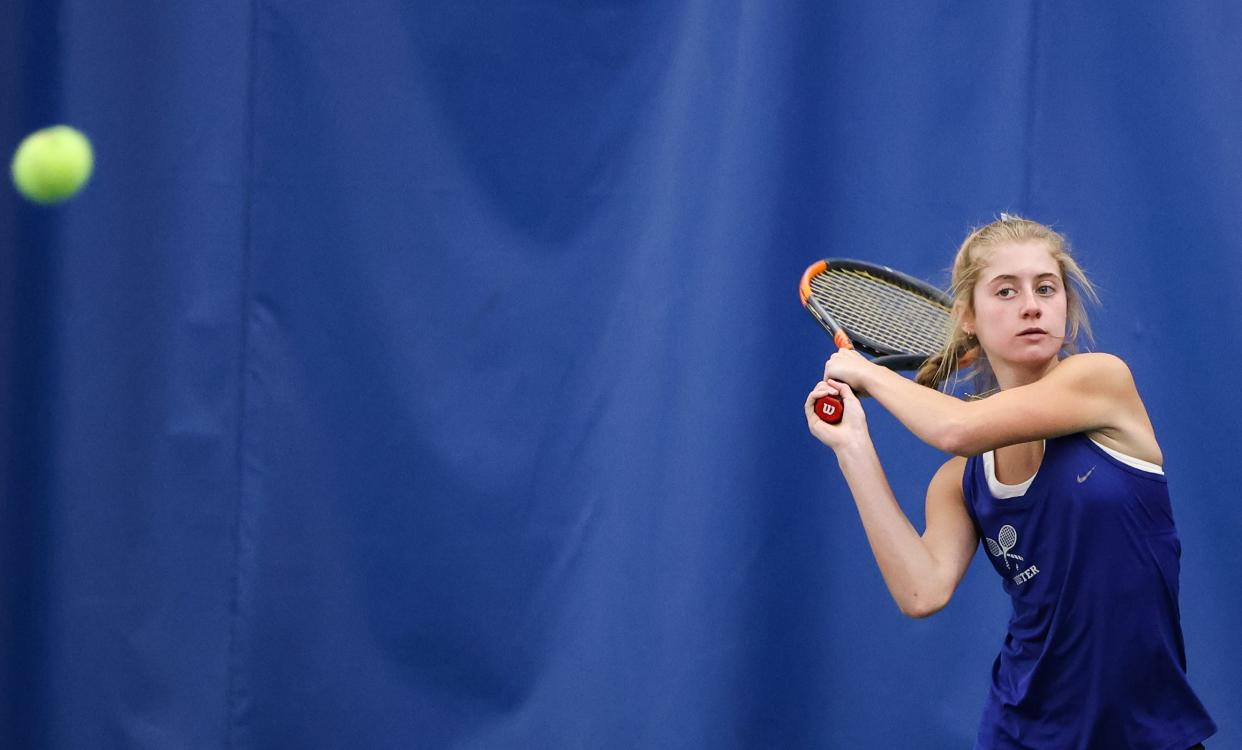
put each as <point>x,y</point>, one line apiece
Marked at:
<point>1130,430</point>
<point>1105,378</point>
<point>1097,369</point>
<point>1099,362</point>
<point>948,478</point>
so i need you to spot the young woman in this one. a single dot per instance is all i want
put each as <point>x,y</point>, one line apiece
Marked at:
<point>1058,470</point>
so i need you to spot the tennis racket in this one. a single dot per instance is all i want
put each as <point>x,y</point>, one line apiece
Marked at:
<point>898,320</point>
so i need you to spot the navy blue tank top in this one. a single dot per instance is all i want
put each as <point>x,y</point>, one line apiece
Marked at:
<point>1093,657</point>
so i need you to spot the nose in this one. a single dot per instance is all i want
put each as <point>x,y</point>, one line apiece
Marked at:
<point>1030,306</point>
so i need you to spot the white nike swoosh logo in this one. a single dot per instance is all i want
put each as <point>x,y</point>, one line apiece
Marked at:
<point>1083,477</point>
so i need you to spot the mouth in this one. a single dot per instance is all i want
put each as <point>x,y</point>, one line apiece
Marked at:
<point>1033,332</point>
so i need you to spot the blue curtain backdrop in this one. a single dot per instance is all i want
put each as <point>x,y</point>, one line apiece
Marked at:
<point>430,374</point>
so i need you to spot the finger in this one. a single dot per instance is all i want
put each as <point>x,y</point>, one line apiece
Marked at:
<point>827,388</point>
<point>842,388</point>
<point>815,396</point>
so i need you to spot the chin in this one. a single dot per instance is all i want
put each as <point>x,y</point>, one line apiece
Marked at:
<point>1031,357</point>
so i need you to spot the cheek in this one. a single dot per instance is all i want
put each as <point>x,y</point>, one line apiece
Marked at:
<point>986,309</point>
<point>1058,310</point>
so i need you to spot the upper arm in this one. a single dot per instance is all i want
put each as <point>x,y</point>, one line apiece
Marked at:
<point>950,536</point>
<point>1085,392</point>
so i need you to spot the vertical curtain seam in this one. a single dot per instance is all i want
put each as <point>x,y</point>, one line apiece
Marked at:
<point>233,678</point>
<point>1032,74</point>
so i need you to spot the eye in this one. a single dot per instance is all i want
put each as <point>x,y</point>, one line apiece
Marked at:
<point>1046,289</point>
<point>1006,292</point>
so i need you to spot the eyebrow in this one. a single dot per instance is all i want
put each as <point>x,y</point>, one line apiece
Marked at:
<point>1011,277</point>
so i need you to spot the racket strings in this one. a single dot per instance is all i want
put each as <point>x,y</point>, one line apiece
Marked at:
<point>890,315</point>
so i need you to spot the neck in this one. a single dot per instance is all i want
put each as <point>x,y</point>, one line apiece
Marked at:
<point>1011,376</point>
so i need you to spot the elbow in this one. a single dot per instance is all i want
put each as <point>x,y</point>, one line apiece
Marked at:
<point>954,437</point>
<point>918,606</point>
<point>918,611</point>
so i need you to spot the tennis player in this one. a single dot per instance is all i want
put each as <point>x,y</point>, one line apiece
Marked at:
<point>1057,469</point>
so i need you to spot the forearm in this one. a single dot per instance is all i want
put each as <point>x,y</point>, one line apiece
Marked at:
<point>935,418</point>
<point>908,568</point>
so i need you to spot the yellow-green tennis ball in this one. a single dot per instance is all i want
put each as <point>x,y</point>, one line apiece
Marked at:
<point>52,164</point>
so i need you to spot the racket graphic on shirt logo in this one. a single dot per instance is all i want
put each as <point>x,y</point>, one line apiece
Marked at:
<point>1005,541</point>
<point>896,319</point>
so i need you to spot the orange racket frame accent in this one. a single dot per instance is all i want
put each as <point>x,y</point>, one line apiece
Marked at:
<point>839,337</point>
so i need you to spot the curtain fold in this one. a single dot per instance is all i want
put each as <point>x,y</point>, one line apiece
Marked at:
<point>431,375</point>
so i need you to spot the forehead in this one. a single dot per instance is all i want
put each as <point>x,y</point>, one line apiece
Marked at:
<point>1023,259</point>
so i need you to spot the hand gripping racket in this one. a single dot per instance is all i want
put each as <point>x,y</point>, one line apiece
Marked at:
<point>895,318</point>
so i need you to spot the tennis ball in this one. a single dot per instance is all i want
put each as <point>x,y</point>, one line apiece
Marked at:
<point>52,164</point>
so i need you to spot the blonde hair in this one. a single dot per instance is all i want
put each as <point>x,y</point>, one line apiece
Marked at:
<point>962,349</point>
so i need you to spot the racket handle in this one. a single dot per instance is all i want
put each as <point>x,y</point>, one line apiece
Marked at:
<point>829,409</point>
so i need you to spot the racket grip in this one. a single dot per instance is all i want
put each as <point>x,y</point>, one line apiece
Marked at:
<point>829,409</point>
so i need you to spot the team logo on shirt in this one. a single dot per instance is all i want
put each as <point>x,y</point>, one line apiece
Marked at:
<point>1000,547</point>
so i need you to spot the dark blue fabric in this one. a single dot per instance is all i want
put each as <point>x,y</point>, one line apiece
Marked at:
<point>430,375</point>
<point>1094,657</point>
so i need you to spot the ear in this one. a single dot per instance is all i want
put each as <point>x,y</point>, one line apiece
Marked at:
<point>964,317</point>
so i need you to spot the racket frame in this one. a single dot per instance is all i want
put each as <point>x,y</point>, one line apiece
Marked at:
<point>885,356</point>
<point>828,408</point>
